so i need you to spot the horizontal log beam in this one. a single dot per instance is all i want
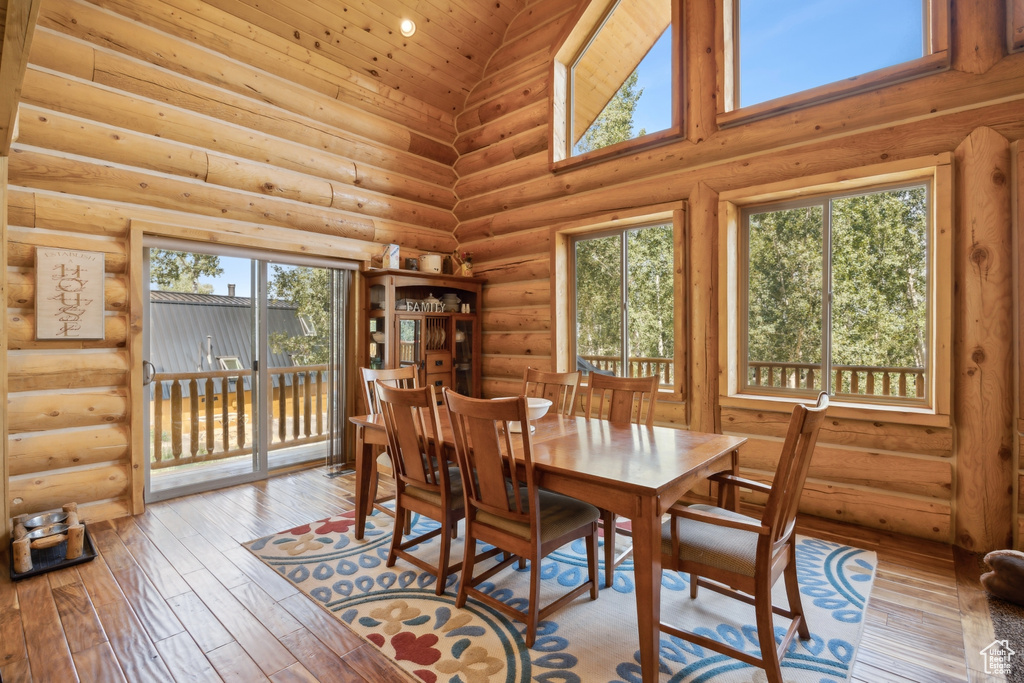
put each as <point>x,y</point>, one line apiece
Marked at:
<point>909,515</point>
<point>884,471</point>
<point>51,490</point>
<point>44,412</point>
<point>45,451</point>
<point>310,141</point>
<point>21,334</point>
<point>889,436</point>
<point>505,295</point>
<point>517,344</point>
<point>21,291</point>
<point>65,369</point>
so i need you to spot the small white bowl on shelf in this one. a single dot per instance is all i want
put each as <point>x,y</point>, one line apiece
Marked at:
<point>536,408</point>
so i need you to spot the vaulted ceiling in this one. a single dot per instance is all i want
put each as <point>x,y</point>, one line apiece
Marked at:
<point>438,65</point>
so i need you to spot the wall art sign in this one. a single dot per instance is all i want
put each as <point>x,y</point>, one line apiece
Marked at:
<point>69,294</point>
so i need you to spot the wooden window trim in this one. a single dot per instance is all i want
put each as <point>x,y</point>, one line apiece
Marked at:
<point>563,348</point>
<point>938,171</point>
<point>936,58</point>
<point>574,40</point>
<point>1015,25</point>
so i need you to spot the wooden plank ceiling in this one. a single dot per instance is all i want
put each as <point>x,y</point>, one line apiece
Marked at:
<point>440,64</point>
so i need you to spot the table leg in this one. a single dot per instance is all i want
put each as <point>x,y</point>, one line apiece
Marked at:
<point>732,492</point>
<point>647,575</point>
<point>364,468</point>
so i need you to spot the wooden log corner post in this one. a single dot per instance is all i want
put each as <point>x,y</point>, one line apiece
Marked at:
<point>983,348</point>
<point>703,399</point>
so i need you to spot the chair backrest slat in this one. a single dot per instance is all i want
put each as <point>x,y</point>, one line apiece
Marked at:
<point>487,451</point>
<point>626,398</point>
<point>794,463</point>
<point>413,427</point>
<point>558,387</point>
<point>403,378</point>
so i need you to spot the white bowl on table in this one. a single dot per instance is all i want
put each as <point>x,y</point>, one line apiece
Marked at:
<point>536,408</point>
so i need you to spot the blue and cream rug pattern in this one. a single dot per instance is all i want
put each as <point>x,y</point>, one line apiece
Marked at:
<point>585,642</point>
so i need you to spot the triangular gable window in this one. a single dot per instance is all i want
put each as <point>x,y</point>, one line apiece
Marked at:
<point>616,76</point>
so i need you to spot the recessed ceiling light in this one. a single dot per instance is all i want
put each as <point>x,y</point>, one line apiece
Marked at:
<point>408,27</point>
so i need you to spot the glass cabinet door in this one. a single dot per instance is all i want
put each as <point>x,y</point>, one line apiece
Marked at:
<point>410,341</point>
<point>378,342</point>
<point>462,354</point>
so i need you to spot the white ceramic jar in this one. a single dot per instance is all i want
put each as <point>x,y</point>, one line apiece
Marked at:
<point>430,263</point>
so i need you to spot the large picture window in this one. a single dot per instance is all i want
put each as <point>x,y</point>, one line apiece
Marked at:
<point>788,47</point>
<point>835,295</point>
<point>624,302</point>
<point>783,55</point>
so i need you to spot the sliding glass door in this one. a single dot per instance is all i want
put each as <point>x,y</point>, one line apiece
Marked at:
<point>241,365</point>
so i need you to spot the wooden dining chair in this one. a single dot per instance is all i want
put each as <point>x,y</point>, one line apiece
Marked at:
<point>559,387</point>
<point>424,482</point>
<point>509,511</point>
<point>404,378</point>
<point>619,399</point>
<point>743,557</point>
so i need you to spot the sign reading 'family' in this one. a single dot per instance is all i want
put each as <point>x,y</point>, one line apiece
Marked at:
<point>69,294</point>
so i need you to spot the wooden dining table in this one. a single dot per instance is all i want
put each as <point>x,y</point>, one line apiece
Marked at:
<point>635,471</point>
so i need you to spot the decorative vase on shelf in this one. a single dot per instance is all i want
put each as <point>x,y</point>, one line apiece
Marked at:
<point>467,269</point>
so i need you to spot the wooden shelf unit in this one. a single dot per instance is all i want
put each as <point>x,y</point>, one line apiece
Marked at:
<point>445,346</point>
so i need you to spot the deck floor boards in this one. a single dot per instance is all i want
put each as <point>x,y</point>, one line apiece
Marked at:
<point>173,592</point>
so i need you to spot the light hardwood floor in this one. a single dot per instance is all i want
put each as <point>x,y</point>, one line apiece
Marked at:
<point>173,596</point>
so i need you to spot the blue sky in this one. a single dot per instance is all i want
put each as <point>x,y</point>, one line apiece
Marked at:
<point>791,45</point>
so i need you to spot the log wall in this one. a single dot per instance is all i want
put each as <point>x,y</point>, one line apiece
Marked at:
<point>153,112</point>
<point>886,470</point>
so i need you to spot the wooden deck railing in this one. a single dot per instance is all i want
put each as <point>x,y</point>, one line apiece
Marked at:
<point>639,366</point>
<point>214,420</point>
<point>864,380</point>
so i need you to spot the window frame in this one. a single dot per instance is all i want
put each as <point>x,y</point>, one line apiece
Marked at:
<point>582,29</point>
<point>936,173</point>
<point>1014,26</point>
<point>308,329</point>
<point>936,58</point>
<point>234,362</point>
<point>564,238</point>
<point>827,366</point>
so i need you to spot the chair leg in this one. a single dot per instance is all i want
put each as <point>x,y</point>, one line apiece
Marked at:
<point>793,594</point>
<point>592,563</point>
<point>766,632</point>
<point>533,610</point>
<point>445,559</point>
<point>693,586</point>
<point>372,498</point>
<point>396,537</point>
<point>608,524</point>
<point>467,570</point>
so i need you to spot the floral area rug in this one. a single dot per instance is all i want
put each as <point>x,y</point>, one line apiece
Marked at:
<point>587,641</point>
